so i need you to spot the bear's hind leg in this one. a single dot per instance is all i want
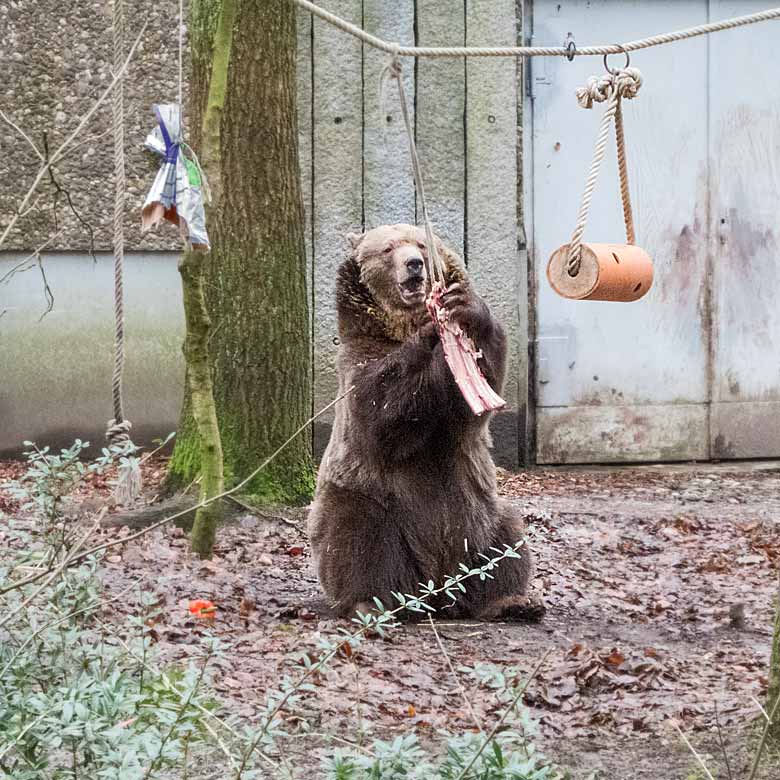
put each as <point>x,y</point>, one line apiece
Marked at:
<point>506,596</point>
<point>360,550</point>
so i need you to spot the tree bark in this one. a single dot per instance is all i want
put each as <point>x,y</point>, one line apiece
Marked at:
<point>196,354</point>
<point>255,286</point>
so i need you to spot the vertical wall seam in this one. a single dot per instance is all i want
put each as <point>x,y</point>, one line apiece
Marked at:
<point>711,246</point>
<point>522,378</point>
<point>416,60</point>
<point>363,121</point>
<point>530,247</point>
<point>312,296</point>
<point>465,138</point>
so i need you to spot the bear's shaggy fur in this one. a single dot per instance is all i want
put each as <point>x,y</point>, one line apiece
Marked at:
<point>407,476</point>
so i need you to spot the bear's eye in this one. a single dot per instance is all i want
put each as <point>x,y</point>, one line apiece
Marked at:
<point>388,249</point>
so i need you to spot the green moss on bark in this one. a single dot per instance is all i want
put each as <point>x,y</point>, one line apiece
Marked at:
<point>255,288</point>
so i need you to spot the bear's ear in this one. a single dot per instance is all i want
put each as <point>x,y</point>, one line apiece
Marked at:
<point>355,239</point>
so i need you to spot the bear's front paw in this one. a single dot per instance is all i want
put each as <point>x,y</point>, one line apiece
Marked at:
<point>467,309</point>
<point>428,335</point>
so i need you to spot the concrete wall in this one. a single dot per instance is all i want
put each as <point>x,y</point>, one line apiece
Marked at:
<point>355,173</point>
<point>56,59</point>
<point>55,373</point>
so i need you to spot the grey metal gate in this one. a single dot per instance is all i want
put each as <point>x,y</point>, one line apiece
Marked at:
<point>692,371</point>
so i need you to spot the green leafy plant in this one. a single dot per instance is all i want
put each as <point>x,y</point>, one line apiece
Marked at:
<point>51,477</point>
<point>84,697</point>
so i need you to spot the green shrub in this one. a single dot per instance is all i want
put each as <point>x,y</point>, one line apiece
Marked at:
<point>84,699</point>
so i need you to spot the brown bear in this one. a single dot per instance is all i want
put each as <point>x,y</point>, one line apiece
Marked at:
<point>407,487</point>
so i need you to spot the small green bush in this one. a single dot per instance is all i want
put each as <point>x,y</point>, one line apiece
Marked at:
<point>85,698</point>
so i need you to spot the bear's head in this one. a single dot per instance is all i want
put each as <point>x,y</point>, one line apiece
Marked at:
<point>385,281</point>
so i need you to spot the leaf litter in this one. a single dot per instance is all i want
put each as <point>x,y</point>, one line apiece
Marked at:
<point>640,569</point>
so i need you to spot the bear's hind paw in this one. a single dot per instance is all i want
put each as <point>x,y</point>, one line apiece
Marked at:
<point>515,609</point>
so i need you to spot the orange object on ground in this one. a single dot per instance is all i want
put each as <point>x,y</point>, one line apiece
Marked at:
<point>203,608</point>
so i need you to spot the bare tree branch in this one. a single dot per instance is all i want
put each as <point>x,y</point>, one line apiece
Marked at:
<point>28,261</point>
<point>693,750</point>
<point>454,674</point>
<point>60,190</point>
<point>46,289</point>
<point>722,743</point>
<point>69,140</point>
<point>21,132</point>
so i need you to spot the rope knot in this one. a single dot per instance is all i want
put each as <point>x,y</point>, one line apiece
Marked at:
<point>118,432</point>
<point>626,81</point>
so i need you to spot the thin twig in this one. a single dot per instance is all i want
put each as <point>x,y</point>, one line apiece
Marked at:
<point>151,454</point>
<point>24,135</point>
<point>19,736</point>
<point>334,738</point>
<point>693,750</point>
<point>184,706</point>
<point>6,277</point>
<point>203,710</point>
<point>503,717</point>
<point>60,190</point>
<point>99,603</point>
<point>761,708</point>
<point>454,674</point>
<point>722,743</point>
<point>69,559</point>
<point>48,294</point>
<point>69,140</point>
<point>764,735</point>
<point>91,139</point>
<point>136,535</point>
<point>388,615</point>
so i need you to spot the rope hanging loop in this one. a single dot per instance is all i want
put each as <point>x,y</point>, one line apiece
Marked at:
<point>611,272</point>
<point>460,352</point>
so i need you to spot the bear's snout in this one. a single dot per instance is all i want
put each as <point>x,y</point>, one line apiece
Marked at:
<point>414,265</point>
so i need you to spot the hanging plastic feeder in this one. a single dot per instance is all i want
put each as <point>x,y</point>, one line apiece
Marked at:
<point>608,272</point>
<point>604,272</point>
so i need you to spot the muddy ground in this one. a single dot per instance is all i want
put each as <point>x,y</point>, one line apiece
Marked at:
<point>658,581</point>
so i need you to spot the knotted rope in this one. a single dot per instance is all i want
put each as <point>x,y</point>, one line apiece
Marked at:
<point>118,427</point>
<point>612,87</point>
<point>129,480</point>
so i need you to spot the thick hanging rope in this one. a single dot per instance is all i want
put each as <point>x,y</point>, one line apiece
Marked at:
<point>434,264</point>
<point>612,87</point>
<point>118,427</point>
<point>129,480</point>
<point>459,351</point>
<point>533,51</point>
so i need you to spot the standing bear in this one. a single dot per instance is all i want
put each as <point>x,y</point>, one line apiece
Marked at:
<point>407,487</point>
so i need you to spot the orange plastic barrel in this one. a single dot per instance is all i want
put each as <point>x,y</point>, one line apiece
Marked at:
<point>608,272</point>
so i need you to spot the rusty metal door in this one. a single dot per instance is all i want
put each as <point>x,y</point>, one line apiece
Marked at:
<point>692,371</point>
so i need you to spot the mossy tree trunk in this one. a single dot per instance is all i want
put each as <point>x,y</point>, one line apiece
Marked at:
<point>255,284</point>
<point>773,702</point>
<point>204,529</point>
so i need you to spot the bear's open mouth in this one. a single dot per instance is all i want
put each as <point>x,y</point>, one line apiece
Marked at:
<point>412,289</point>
